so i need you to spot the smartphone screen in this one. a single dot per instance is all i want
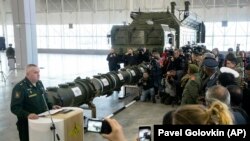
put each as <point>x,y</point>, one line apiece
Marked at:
<point>145,133</point>
<point>94,125</point>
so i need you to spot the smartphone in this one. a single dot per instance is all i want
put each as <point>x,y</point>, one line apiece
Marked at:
<point>145,133</point>
<point>98,126</point>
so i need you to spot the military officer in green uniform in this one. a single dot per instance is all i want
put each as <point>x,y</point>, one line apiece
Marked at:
<point>27,100</point>
<point>192,89</point>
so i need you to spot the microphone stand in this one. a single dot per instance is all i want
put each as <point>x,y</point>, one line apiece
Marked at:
<point>52,127</point>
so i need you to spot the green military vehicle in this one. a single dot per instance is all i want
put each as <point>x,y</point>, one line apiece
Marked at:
<point>158,30</point>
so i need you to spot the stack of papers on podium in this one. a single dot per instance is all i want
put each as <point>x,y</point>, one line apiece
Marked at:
<point>52,112</point>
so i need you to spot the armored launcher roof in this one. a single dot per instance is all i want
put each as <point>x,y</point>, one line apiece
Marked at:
<point>146,29</point>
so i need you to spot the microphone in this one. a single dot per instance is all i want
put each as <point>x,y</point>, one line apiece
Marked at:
<point>53,127</point>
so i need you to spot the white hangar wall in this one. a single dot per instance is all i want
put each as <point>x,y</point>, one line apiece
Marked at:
<point>93,19</point>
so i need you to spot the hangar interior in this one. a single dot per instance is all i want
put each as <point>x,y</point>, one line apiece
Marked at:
<point>92,20</point>
<point>71,40</point>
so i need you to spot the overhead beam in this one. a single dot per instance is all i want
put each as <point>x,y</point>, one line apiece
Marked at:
<point>69,3</point>
<point>88,5</point>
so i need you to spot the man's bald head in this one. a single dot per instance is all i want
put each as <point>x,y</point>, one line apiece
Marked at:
<point>218,92</point>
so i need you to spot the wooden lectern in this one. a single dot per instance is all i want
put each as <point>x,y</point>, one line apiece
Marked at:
<point>69,126</point>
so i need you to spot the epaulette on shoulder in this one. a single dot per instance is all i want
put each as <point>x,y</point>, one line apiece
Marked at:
<point>21,83</point>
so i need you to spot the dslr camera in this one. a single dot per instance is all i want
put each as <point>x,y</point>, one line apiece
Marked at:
<point>140,50</point>
<point>199,50</point>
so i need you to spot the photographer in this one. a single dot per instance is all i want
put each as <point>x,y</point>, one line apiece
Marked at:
<point>177,64</point>
<point>169,88</point>
<point>164,61</point>
<point>130,58</point>
<point>147,87</point>
<point>112,59</point>
<point>177,60</point>
<point>143,55</point>
<point>187,55</point>
<point>156,72</point>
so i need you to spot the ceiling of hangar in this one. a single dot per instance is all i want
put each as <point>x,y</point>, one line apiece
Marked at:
<point>80,5</point>
<point>219,3</point>
<point>105,5</point>
<point>52,6</point>
<point>153,5</point>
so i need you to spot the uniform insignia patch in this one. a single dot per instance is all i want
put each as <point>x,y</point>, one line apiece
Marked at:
<point>32,95</point>
<point>17,95</point>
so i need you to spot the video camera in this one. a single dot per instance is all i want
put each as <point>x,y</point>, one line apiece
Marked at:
<point>140,50</point>
<point>199,49</point>
<point>187,49</point>
<point>170,52</point>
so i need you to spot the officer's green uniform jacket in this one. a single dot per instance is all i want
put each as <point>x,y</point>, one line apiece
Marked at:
<point>191,90</point>
<point>27,98</point>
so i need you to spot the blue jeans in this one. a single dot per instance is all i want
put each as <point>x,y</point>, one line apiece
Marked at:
<point>146,93</point>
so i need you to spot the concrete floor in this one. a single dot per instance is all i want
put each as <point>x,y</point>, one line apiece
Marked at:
<point>57,69</point>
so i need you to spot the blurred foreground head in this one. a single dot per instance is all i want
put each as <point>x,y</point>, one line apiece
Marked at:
<point>216,114</point>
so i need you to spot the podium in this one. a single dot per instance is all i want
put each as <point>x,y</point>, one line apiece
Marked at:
<point>69,126</point>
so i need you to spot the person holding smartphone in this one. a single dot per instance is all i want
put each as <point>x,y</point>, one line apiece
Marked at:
<point>144,133</point>
<point>117,134</point>
<point>117,131</point>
